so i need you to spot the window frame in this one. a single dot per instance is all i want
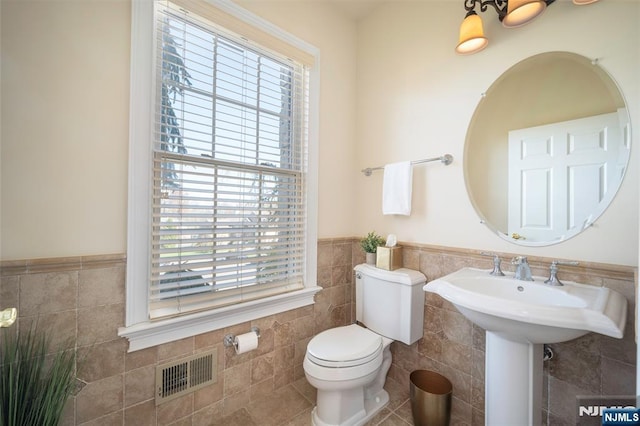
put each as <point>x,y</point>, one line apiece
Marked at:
<point>139,329</point>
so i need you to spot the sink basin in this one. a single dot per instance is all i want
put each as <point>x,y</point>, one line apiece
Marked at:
<point>532,310</point>
<point>519,318</point>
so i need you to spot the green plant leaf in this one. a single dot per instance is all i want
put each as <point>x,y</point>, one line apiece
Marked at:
<point>371,242</point>
<point>35,379</point>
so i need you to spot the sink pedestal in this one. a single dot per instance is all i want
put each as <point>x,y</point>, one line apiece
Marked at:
<point>513,382</point>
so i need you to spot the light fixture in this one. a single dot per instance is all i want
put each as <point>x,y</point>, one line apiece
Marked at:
<point>512,14</point>
<point>472,37</point>
<point>521,12</point>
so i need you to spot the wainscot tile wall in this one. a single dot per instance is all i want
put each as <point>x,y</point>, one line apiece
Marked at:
<point>81,303</point>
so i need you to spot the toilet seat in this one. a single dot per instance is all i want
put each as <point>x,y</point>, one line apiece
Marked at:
<point>342,347</point>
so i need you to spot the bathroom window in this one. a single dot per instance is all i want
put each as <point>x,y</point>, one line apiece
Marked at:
<point>230,166</point>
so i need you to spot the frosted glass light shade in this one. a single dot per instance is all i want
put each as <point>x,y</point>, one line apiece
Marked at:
<point>520,12</point>
<point>472,37</point>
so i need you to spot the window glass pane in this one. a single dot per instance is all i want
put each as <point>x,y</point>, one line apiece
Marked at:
<point>229,212</point>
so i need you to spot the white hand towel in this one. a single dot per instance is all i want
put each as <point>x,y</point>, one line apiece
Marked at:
<point>396,188</point>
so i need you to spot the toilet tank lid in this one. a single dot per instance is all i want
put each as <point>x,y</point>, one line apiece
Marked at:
<point>402,276</point>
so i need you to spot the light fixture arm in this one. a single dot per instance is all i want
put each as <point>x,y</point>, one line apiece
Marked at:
<point>499,5</point>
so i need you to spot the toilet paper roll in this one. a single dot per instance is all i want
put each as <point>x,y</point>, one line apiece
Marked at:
<point>246,342</point>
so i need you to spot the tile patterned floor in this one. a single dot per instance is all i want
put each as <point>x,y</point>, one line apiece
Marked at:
<point>292,405</point>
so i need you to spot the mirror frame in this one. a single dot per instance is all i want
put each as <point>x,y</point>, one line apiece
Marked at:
<point>489,116</point>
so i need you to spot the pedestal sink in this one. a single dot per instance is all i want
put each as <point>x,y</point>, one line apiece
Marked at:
<point>519,317</point>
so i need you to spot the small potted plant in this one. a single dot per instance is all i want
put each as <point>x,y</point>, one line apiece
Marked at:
<point>370,245</point>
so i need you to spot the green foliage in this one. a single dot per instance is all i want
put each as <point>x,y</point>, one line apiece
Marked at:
<point>371,242</point>
<point>175,77</point>
<point>35,381</point>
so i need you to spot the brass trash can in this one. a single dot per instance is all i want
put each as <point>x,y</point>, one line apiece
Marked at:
<point>430,395</point>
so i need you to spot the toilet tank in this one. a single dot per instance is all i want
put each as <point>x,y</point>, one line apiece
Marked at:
<point>391,303</point>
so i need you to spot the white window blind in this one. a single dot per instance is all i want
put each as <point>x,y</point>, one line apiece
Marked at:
<point>229,163</point>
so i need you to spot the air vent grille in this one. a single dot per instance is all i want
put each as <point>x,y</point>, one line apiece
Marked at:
<point>181,377</point>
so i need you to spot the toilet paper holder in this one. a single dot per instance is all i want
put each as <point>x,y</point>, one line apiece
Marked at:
<point>229,339</point>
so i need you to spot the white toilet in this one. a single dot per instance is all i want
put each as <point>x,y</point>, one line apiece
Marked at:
<point>348,365</point>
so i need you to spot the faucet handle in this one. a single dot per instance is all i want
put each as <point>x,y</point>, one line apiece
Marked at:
<point>496,264</point>
<point>553,271</point>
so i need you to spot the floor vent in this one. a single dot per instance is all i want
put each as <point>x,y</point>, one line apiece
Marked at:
<point>181,377</point>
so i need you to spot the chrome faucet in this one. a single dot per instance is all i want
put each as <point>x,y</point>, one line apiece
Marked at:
<point>553,272</point>
<point>523,271</point>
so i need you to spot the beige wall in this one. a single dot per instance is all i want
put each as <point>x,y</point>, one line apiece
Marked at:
<point>391,89</point>
<point>416,98</point>
<point>65,118</point>
<point>65,123</point>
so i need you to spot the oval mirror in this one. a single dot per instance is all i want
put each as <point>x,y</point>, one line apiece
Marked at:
<point>547,148</point>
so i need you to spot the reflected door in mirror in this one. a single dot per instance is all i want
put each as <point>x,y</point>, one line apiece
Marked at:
<point>562,175</point>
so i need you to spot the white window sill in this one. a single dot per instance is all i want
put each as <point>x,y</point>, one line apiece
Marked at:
<point>153,333</point>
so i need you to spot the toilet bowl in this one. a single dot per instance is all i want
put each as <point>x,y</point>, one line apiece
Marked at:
<point>348,366</point>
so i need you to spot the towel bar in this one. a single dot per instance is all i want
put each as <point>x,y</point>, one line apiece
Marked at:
<point>445,159</point>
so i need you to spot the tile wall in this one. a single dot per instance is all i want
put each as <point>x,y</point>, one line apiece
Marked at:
<point>81,302</point>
